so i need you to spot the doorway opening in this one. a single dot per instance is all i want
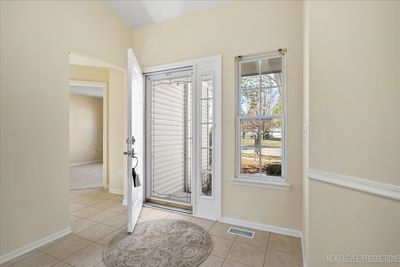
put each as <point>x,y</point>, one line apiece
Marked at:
<point>88,135</point>
<point>170,139</point>
<point>96,80</point>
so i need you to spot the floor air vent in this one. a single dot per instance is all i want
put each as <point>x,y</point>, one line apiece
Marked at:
<point>241,232</point>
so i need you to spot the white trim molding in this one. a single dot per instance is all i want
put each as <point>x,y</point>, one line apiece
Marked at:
<point>360,184</point>
<point>85,162</point>
<point>117,191</point>
<point>303,250</point>
<point>279,185</point>
<point>262,227</point>
<point>34,245</point>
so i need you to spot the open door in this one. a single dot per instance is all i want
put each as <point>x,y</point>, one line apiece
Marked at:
<point>135,141</point>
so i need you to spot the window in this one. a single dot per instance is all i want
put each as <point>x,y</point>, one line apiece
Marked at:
<point>261,117</point>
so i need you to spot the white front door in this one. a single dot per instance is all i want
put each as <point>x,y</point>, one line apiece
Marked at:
<point>135,140</point>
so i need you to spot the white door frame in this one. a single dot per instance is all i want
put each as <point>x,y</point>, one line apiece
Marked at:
<point>217,186</point>
<point>105,122</point>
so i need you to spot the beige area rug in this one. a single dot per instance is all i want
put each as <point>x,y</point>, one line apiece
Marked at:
<point>159,243</point>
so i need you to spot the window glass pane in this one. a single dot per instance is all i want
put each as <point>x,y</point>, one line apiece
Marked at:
<point>250,75</point>
<point>271,80</point>
<point>250,160</point>
<point>271,101</point>
<point>271,161</point>
<point>206,159</point>
<point>249,132</point>
<point>271,70</point>
<point>206,135</point>
<point>271,132</point>
<point>250,103</point>
<point>206,184</point>
<point>206,86</point>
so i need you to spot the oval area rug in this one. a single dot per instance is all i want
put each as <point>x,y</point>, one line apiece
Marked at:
<point>159,243</point>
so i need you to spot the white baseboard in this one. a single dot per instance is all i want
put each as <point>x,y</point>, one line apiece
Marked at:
<point>305,264</point>
<point>262,227</point>
<point>205,216</point>
<point>85,162</point>
<point>34,245</point>
<point>116,191</point>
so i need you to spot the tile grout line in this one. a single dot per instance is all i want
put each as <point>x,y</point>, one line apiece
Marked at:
<point>266,251</point>
<point>227,254</point>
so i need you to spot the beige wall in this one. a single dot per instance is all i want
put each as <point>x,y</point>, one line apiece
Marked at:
<point>348,222</point>
<point>85,129</point>
<point>117,111</point>
<point>354,89</point>
<point>35,38</point>
<point>233,29</point>
<point>88,73</point>
<point>354,82</point>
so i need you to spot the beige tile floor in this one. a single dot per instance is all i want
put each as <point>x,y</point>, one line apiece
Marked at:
<point>97,216</point>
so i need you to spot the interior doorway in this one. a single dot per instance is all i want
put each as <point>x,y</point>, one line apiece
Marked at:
<point>170,142</point>
<point>88,135</point>
<point>106,81</point>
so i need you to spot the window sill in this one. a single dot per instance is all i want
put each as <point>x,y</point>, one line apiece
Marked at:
<point>278,185</point>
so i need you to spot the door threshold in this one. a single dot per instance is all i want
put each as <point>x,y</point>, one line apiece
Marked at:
<point>163,207</point>
<point>169,203</point>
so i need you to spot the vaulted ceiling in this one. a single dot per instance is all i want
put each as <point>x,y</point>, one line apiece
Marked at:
<point>141,13</point>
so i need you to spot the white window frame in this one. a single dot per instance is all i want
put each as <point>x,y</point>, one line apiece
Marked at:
<point>253,179</point>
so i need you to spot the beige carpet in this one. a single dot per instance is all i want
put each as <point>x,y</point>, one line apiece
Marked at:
<point>161,243</point>
<point>86,176</point>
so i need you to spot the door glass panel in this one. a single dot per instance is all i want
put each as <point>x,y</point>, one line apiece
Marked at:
<point>206,87</point>
<point>206,134</point>
<point>171,139</point>
<point>206,159</point>
<point>206,110</point>
<point>206,184</point>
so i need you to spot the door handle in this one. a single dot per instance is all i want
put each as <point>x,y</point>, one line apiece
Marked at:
<point>130,153</point>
